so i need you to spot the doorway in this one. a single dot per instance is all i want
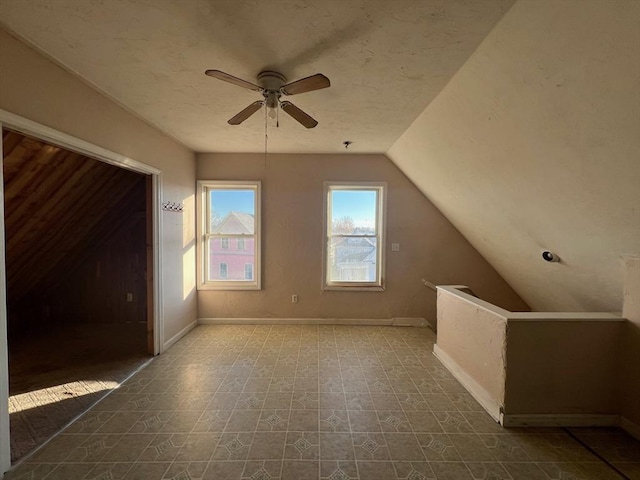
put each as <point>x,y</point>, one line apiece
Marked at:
<point>80,282</point>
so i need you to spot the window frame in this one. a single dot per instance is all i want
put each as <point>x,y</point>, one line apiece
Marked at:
<point>203,235</point>
<point>381,214</point>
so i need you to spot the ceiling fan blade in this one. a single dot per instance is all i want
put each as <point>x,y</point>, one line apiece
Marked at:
<point>308,84</point>
<point>225,77</point>
<point>298,115</point>
<point>246,113</point>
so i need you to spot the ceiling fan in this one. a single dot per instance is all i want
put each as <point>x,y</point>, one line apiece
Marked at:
<point>272,85</point>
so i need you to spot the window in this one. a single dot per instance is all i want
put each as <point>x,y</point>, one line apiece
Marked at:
<point>229,214</point>
<point>354,236</point>
<point>248,271</point>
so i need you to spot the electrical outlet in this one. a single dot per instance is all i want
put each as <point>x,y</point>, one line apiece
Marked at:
<point>294,298</point>
<point>129,297</point>
<point>395,247</point>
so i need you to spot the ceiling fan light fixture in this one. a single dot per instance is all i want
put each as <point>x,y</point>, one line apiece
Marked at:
<point>272,85</point>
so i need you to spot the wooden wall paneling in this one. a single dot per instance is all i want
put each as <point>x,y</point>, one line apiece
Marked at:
<point>65,214</point>
<point>24,202</point>
<point>72,213</point>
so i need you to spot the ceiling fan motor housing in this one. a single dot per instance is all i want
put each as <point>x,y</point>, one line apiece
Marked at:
<point>271,82</point>
<point>272,85</point>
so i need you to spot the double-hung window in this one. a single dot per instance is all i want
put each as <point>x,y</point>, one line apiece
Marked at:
<point>354,236</point>
<point>229,235</point>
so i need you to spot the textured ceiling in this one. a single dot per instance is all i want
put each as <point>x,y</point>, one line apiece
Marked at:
<point>387,60</point>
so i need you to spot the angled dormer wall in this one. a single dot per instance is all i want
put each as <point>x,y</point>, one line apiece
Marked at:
<point>535,144</point>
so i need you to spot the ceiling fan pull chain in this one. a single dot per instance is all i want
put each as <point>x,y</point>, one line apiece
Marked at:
<point>266,136</point>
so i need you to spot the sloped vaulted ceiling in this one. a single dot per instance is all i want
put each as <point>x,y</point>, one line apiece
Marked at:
<point>535,145</point>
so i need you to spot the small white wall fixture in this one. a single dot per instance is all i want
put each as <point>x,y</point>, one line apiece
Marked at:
<point>34,129</point>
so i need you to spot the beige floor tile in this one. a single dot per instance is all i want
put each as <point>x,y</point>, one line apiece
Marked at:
<point>332,401</point>
<point>233,446</point>
<point>186,471</point>
<point>414,470</point>
<point>304,400</point>
<point>404,447</point>
<point>471,447</point>
<point>300,470</point>
<point>302,446</point>
<point>438,447</point>
<point>115,471</point>
<point>303,421</point>
<point>336,446</point>
<point>245,402</point>
<point>267,445</point>
<point>262,470</point>
<point>376,470</point>
<point>127,448</point>
<point>452,471</point>
<point>338,470</point>
<point>333,421</point>
<point>393,421</point>
<point>370,446</point>
<point>364,421</point>
<point>243,421</point>
<point>144,471</point>
<point>163,447</point>
<point>198,447</point>
<point>273,420</point>
<point>220,470</point>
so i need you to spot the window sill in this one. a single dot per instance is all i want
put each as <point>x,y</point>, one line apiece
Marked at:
<point>355,288</point>
<point>228,287</point>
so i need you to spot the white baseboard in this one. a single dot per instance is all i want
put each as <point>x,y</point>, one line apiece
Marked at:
<point>492,406</point>
<point>179,335</point>
<point>314,321</point>
<point>560,420</point>
<point>409,322</point>
<point>631,428</point>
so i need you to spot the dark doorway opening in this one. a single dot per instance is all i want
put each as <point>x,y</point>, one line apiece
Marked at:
<point>79,289</point>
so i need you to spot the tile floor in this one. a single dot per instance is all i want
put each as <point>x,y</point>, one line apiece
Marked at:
<point>56,374</point>
<point>307,403</point>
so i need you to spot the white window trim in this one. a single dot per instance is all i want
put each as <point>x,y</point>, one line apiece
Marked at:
<point>202,209</point>
<point>381,228</point>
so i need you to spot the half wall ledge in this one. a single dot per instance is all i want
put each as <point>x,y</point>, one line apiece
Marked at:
<point>543,369</point>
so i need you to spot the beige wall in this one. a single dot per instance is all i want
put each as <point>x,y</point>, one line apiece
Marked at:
<point>630,352</point>
<point>535,144</point>
<point>292,209</point>
<point>562,366</point>
<point>473,334</point>
<point>35,88</point>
